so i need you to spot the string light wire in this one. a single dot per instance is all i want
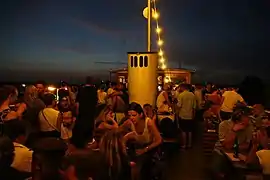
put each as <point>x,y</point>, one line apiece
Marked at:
<point>160,42</point>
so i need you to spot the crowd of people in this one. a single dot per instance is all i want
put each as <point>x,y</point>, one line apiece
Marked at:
<point>226,113</point>
<point>97,134</point>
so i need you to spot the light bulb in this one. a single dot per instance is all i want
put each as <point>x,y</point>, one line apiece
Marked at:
<point>156,15</point>
<point>162,60</point>
<point>160,42</point>
<point>160,53</point>
<point>158,30</point>
<point>163,66</point>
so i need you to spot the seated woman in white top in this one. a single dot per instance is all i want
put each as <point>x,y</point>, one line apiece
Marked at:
<point>260,151</point>
<point>50,119</point>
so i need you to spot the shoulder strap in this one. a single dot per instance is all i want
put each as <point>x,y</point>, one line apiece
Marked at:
<point>3,114</point>
<point>146,123</point>
<point>48,121</point>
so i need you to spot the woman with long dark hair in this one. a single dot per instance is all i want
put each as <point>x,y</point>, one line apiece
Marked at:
<point>144,134</point>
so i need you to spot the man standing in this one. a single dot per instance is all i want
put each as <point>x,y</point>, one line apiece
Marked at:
<point>228,102</point>
<point>40,85</point>
<point>86,105</point>
<point>187,107</point>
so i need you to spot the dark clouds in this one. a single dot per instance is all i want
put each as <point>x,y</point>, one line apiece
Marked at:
<point>227,35</point>
<point>219,38</point>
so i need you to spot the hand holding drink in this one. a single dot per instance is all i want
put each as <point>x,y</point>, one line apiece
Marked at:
<point>239,126</point>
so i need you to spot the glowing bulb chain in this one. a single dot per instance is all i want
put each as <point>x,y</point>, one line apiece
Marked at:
<point>160,42</point>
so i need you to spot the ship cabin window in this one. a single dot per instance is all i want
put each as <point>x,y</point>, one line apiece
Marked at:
<point>135,61</point>
<point>145,61</point>
<point>141,61</point>
<point>131,61</point>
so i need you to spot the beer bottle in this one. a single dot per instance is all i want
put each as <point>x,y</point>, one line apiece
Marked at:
<point>236,147</point>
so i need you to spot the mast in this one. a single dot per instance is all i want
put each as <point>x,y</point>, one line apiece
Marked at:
<point>149,26</point>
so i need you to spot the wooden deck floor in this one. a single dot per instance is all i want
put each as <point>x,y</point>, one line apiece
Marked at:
<point>189,164</point>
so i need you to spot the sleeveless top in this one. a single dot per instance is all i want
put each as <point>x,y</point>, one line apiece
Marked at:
<point>145,137</point>
<point>161,105</point>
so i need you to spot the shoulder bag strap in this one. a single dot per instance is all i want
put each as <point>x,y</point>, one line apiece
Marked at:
<point>48,121</point>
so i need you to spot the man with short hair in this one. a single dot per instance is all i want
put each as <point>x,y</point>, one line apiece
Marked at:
<point>40,85</point>
<point>6,159</point>
<point>259,115</point>
<point>229,100</point>
<point>16,131</point>
<point>187,108</point>
<point>237,127</point>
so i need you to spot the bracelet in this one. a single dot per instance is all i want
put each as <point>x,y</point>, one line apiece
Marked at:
<point>146,149</point>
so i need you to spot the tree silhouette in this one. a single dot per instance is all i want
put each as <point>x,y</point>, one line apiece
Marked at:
<point>252,90</point>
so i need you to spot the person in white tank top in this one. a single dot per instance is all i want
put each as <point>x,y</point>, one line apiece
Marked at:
<point>143,130</point>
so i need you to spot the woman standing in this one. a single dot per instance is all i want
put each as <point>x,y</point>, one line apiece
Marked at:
<point>29,110</point>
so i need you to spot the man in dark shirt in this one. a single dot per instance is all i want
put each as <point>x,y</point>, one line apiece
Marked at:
<point>208,90</point>
<point>84,125</point>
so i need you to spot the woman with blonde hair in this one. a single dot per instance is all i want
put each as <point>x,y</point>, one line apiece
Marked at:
<point>108,162</point>
<point>114,151</point>
<point>29,110</point>
<point>30,100</point>
<point>103,123</point>
<point>105,119</point>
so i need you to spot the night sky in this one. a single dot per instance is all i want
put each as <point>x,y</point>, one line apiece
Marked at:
<point>221,39</point>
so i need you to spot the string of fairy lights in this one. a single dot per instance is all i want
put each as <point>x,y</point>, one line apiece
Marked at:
<point>160,42</point>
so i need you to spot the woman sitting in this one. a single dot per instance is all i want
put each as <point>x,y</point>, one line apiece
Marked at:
<point>108,162</point>
<point>112,148</point>
<point>104,122</point>
<point>105,119</point>
<point>143,132</point>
